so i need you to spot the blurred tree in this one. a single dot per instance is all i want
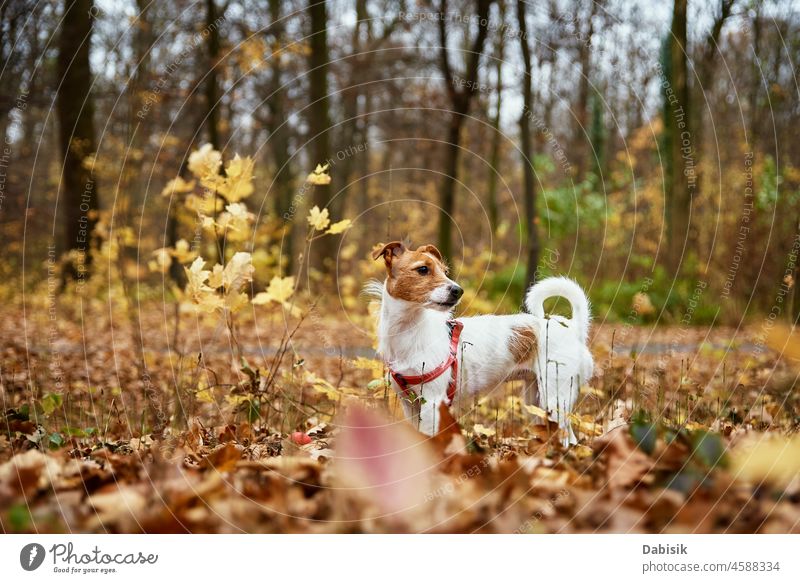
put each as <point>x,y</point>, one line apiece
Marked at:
<point>319,113</point>
<point>367,40</point>
<point>279,134</point>
<point>76,134</point>
<point>704,71</point>
<point>131,185</point>
<point>497,134</point>
<point>529,183</point>
<point>12,16</point>
<point>460,90</point>
<point>212,84</point>
<point>598,138</point>
<point>584,34</point>
<point>681,179</point>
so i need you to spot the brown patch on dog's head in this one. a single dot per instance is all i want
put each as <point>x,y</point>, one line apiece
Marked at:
<point>522,344</point>
<point>389,252</point>
<point>418,276</point>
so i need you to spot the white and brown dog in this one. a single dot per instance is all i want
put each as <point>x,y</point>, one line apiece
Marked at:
<point>432,357</point>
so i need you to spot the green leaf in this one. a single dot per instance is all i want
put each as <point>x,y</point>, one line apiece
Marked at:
<point>645,436</point>
<point>77,431</point>
<point>376,384</point>
<point>708,449</point>
<point>50,403</point>
<point>56,440</point>
<point>252,410</point>
<point>22,415</point>
<point>684,481</point>
<point>19,517</point>
<point>246,369</point>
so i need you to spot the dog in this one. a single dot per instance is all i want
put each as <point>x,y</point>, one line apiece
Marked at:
<point>432,357</point>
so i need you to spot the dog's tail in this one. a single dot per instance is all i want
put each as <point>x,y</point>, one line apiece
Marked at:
<point>565,288</point>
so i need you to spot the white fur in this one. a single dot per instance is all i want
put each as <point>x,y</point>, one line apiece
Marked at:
<point>413,339</point>
<point>441,293</point>
<point>567,289</point>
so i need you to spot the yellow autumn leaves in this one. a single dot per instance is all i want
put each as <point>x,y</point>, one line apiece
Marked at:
<point>221,210</point>
<point>279,291</point>
<point>220,288</point>
<point>320,176</point>
<point>237,181</point>
<point>320,220</point>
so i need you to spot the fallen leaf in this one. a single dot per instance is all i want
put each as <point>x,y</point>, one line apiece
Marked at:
<point>389,464</point>
<point>625,464</point>
<point>765,458</point>
<point>224,458</point>
<point>479,429</point>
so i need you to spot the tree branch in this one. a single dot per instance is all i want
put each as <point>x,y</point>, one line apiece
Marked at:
<point>444,61</point>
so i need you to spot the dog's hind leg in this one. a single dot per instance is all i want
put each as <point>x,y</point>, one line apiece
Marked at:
<point>565,398</point>
<point>530,393</point>
<point>558,394</point>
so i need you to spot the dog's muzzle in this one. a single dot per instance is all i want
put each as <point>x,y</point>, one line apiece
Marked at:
<point>446,297</point>
<point>456,291</point>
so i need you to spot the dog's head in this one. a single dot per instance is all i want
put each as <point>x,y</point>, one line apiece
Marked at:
<point>419,276</point>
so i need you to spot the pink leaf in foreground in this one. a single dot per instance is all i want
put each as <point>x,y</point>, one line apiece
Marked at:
<point>386,462</point>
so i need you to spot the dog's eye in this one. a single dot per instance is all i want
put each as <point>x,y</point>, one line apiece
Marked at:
<point>423,270</point>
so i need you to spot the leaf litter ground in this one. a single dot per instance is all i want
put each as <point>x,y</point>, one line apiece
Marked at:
<point>682,430</point>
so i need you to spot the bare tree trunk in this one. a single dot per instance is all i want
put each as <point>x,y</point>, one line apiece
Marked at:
<point>9,21</point>
<point>318,113</point>
<point>131,187</point>
<point>755,86</point>
<point>581,145</point>
<point>529,186</point>
<point>76,133</point>
<point>494,157</point>
<point>350,98</point>
<point>460,100</point>
<point>279,140</point>
<point>212,85</point>
<point>682,180</point>
<point>213,46</point>
<point>705,75</point>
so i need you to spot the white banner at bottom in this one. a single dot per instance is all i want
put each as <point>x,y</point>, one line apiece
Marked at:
<point>388,558</point>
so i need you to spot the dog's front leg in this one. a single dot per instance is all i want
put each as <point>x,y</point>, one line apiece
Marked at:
<point>410,410</point>
<point>429,414</point>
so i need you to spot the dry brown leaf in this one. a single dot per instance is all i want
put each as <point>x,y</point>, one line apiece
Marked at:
<point>625,464</point>
<point>119,506</point>
<point>449,439</point>
<point>29,471</point>
<point>224,458</point>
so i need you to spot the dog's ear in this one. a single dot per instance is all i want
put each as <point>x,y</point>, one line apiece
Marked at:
<point>432,250</point>
<point>389,252</point>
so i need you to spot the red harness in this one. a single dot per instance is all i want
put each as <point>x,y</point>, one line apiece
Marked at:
<point>405,382</point>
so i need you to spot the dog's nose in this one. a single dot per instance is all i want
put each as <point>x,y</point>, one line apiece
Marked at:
<point>456,291</point>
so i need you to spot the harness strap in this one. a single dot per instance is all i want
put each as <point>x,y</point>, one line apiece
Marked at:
<point>405,382</point>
